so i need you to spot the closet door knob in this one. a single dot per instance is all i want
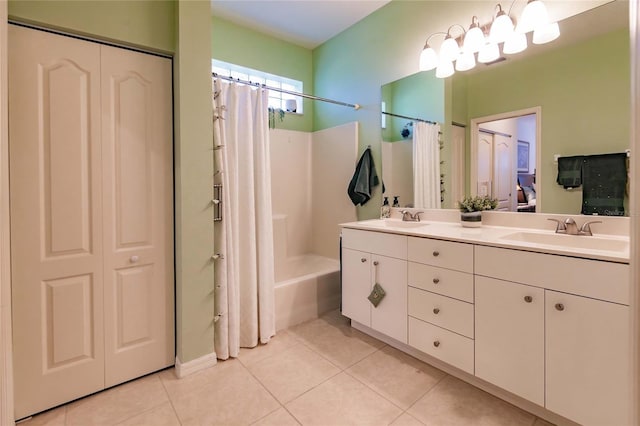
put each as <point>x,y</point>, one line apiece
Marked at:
<point>134,259</point>
<point>436,343</point>
<point>559,306</point>
<point>375,263</point>
<point>364,259</point>
<point>436,311</point>
<point>528,299</point>
<point>436,280</point>
<point>436,253</point>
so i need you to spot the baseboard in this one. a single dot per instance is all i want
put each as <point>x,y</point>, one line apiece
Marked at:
<point>183,369</point>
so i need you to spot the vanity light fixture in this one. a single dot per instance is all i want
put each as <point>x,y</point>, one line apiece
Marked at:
<point>429,57</point>
<point>474,37</point>
<point>486,40</point>
<point>501,28</point>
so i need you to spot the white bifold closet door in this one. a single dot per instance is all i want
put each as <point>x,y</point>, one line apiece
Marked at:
<point>91,216</point>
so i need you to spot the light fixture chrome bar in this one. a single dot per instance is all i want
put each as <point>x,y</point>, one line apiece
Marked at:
<point>288,92</point>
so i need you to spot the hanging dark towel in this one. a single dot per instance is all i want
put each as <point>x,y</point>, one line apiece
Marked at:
<point>604,181</point>
<point>364,179</point>
<point>570,171</point>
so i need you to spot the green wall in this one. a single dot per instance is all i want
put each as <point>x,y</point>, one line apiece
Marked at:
<point>183,27</point>
<point>243,46</point>
<point>584,93</point>
<point>144,23</point>
<point>193,181</point>
<point>420,95</point>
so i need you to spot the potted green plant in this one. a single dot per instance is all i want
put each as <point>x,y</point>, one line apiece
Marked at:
<point>471,209</point>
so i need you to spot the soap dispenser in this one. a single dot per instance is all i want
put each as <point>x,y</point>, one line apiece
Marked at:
<point>385,211</point>
<point>396,203</point>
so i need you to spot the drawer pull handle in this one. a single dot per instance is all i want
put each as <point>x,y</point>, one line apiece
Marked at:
<point>436,343</point>
<point>560,306</point>
<point>364,259</point>
<point>375,263</point>
<point>436,280</point>
<point>528,299</point>
<point>436,311</point>
<point>436,253</point>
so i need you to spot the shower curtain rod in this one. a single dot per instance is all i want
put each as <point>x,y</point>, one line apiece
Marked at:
<point>288,92</point>
<point>408,118</point>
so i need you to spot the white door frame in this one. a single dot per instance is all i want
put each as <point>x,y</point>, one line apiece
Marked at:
<point>475,128</point>
<point>6,365</point>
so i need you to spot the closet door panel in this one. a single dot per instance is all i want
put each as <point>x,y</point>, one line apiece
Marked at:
<point>56,219</point>
<point>138,226</point>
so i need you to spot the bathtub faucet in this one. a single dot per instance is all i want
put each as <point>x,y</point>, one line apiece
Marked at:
<point>408,217</point>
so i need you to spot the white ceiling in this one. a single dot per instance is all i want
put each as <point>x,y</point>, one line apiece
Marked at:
<point>307,23</point>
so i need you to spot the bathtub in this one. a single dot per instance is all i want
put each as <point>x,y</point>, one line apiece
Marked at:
<point>306,287</point>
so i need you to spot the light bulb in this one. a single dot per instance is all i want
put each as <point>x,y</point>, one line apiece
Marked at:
<point>445,69</point>
<point>488,53</point>
<point>533,16</point>
<point>501,28</point>
<point>449,50</point>
<point>515,44</point>
<point>546,33</point>
<point>428,59</point>
<point>474,38</point>
<point>465,61</point>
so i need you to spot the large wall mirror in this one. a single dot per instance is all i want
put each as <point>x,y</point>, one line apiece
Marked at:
<point>573,96</point>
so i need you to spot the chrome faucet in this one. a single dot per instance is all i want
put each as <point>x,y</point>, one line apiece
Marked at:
<point>408,217</point>
<point>570,227</point>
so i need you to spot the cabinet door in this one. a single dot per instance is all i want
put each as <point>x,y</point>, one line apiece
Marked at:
<point>56,219</point>
<point>138,221</point>
<point>390,316</point>
<point>587,359</point>
<point>510,337</point>
<point>356,285</point>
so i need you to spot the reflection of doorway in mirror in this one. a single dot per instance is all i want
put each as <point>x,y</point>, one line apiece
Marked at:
<point>499,167</point>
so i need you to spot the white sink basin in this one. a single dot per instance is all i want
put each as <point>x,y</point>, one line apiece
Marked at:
<point>395,223</point>
<point>570,241</point>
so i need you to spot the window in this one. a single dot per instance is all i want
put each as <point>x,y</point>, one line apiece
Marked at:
<point>277,99</point>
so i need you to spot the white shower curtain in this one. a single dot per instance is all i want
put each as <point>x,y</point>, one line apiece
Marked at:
<point>244,276</point>
<point>426,165</point>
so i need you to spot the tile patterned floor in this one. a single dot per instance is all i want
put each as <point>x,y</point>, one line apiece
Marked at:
<point>322,372</point>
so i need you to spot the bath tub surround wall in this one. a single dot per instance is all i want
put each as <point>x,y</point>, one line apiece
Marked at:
<point>309,176</point>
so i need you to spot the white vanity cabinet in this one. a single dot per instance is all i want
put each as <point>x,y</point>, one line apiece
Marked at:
<point>440,300</point>
<point>369,258</point>
<point>510,337</point>
<point>587,359</point>
<point>573,349</point>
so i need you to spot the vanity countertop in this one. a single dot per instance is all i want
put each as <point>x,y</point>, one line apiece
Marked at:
<point>613,248</point>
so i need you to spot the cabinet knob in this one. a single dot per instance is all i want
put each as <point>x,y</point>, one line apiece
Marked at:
<point>364,259</point>
<point>375,263</point>
<point>528,299</point>
<point>436,343</point>
<point>436,280</point>
<point>436,311</point>
<point>559,306</point>
<point>436,253</point>
<point>134,259</point>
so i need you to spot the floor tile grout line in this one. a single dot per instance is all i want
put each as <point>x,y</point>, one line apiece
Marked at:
<point>435,385</point>
<point>175,412</point>
<point>269,356</point>
<point>374,391</point>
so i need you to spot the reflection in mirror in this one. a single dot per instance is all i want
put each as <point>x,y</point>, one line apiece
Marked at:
<point>580,82</point>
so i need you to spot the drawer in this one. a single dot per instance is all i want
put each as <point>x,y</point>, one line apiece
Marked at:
<point>442,344</point>
<point>445,254</point>
<point>447,282</point>
<point>591,278</point>
<point>445,312</point>
<point>391,245</point>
